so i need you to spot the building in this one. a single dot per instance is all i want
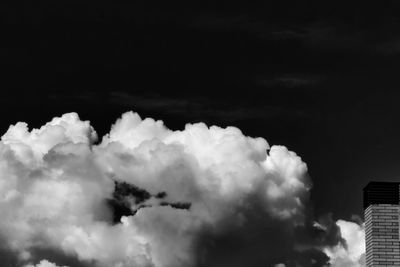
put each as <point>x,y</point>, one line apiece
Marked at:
<point>381,211</point>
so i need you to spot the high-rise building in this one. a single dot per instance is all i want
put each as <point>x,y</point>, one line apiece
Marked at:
<point>381,211</point>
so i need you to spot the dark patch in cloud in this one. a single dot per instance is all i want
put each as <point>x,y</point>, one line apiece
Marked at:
<point>161,195</point>
<point>263,240</point>
<point>123,190</point>
<point>311,257</point>
<point>177,205</point>
<point>123,197</point>
<point>119,209</point>
<point>126,196</point>
<point>317,234</point>
<point>8,258</point>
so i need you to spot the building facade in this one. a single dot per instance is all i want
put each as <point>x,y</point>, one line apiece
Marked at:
<point>382,236</point>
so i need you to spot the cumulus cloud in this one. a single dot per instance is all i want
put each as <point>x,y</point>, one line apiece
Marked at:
<point>352,251</point>
<point>150,196</point>
<point>43,263</point>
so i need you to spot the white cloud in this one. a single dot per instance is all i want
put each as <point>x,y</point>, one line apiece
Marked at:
<point>43,263</point>
<point>54,184</point>
<point>32,145</point>
<point>353,253</point>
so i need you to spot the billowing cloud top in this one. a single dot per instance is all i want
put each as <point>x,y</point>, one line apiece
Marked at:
<point>146,195</point>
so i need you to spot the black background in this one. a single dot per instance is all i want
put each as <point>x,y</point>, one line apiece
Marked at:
<point>320,77</point>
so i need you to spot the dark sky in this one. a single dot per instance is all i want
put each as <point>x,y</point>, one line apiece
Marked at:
<point>320,77</point>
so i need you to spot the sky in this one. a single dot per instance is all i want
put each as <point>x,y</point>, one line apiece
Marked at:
<point>320,79</point>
